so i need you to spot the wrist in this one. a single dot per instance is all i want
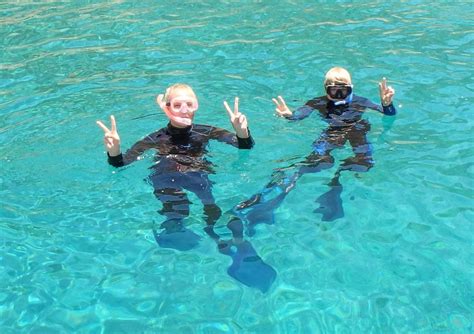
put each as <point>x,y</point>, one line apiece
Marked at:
<point>114,153</point>
<point>116,161</point>
<point>245,143</point>
<point>242,133</point>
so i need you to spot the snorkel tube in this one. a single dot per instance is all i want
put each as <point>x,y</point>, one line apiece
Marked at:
<point>347,100</point>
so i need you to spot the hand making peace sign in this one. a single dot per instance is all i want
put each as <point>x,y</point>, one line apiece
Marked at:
<point>386,92</point>
<point>282,109</point>
<point>238,120</point>
<point>111,137</point>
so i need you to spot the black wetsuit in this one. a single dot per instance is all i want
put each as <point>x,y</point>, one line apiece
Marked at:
<point>181,165</point>
<point>345,123</point>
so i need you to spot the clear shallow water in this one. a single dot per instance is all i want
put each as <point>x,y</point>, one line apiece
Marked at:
<point>77,250</point>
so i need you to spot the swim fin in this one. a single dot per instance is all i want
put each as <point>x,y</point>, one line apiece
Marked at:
<point>331,203</point>
<point>247,267</point>
<point>176,236</point>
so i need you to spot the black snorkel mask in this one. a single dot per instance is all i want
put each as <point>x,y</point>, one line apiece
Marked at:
<point>339,91</point>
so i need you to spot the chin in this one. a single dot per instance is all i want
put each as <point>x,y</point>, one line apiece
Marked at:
<point>182,122</point>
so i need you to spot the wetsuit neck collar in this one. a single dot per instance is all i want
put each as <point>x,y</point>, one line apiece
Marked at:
<point>175,131</point>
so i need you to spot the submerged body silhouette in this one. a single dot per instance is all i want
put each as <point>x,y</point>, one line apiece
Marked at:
<point>180,166</point>
<point>345,124</point>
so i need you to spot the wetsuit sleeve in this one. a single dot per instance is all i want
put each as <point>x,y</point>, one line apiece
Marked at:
<point>230,138</point>
<point>386,110</point>
<point>301,113</point>
<point>132,154</point>
<point>245,143</point>
<point>389,110</point>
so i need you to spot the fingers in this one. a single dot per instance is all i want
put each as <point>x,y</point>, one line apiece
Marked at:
<point>229,111</point>
<point>236,105</point>
<point>384,83</point>
<point>282,100</point>
<point>280,103</point>
<point>386,92</point>
<point>113,123</point>
<point>390,93</point>
<point>233,114</point>
<point>281,113</point>
<point>108,142</point>
<point>383,89</point>
<point>241,125</point>
<point>102,126</point>
<point>243,122</point>
<point>281,109</point>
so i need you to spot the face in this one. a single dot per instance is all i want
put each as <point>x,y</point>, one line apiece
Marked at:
<point>181,107</point>
<point>338,91</point>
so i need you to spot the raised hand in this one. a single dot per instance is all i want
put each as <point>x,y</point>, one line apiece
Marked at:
<point>282,109</point>
<point>238,120</point>
<point>111,137</point>
<point>386,92</point>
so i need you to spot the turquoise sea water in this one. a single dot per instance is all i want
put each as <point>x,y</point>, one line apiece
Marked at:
<point>77,250</point>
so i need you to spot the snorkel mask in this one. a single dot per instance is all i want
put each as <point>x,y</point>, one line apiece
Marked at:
<point>339,91</point>
<point>180,109</point>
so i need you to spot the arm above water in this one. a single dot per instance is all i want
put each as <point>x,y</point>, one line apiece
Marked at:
<point>240,125</point>
<point>112,145</point>
<point>132,154</point>
<point>386,98</point>
<point>386,110</point>
<point>282,110</point>
<point>230,138</point>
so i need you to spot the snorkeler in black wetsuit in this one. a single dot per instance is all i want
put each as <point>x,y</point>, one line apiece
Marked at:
<point>343,112</point>
<point>181,165</point>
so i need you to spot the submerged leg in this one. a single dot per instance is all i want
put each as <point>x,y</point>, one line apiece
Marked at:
<point>175,208</point>
<point>260,207</point>
<point>330,203</point>
<point>247,267</point>
<point>199,184</point>
<point>362,160</point>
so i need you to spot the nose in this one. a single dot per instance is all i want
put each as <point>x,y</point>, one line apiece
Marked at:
<point>184,109</point>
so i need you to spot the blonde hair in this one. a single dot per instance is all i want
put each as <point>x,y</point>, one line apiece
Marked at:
<point>337,75</point>
<point>176,86</point>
